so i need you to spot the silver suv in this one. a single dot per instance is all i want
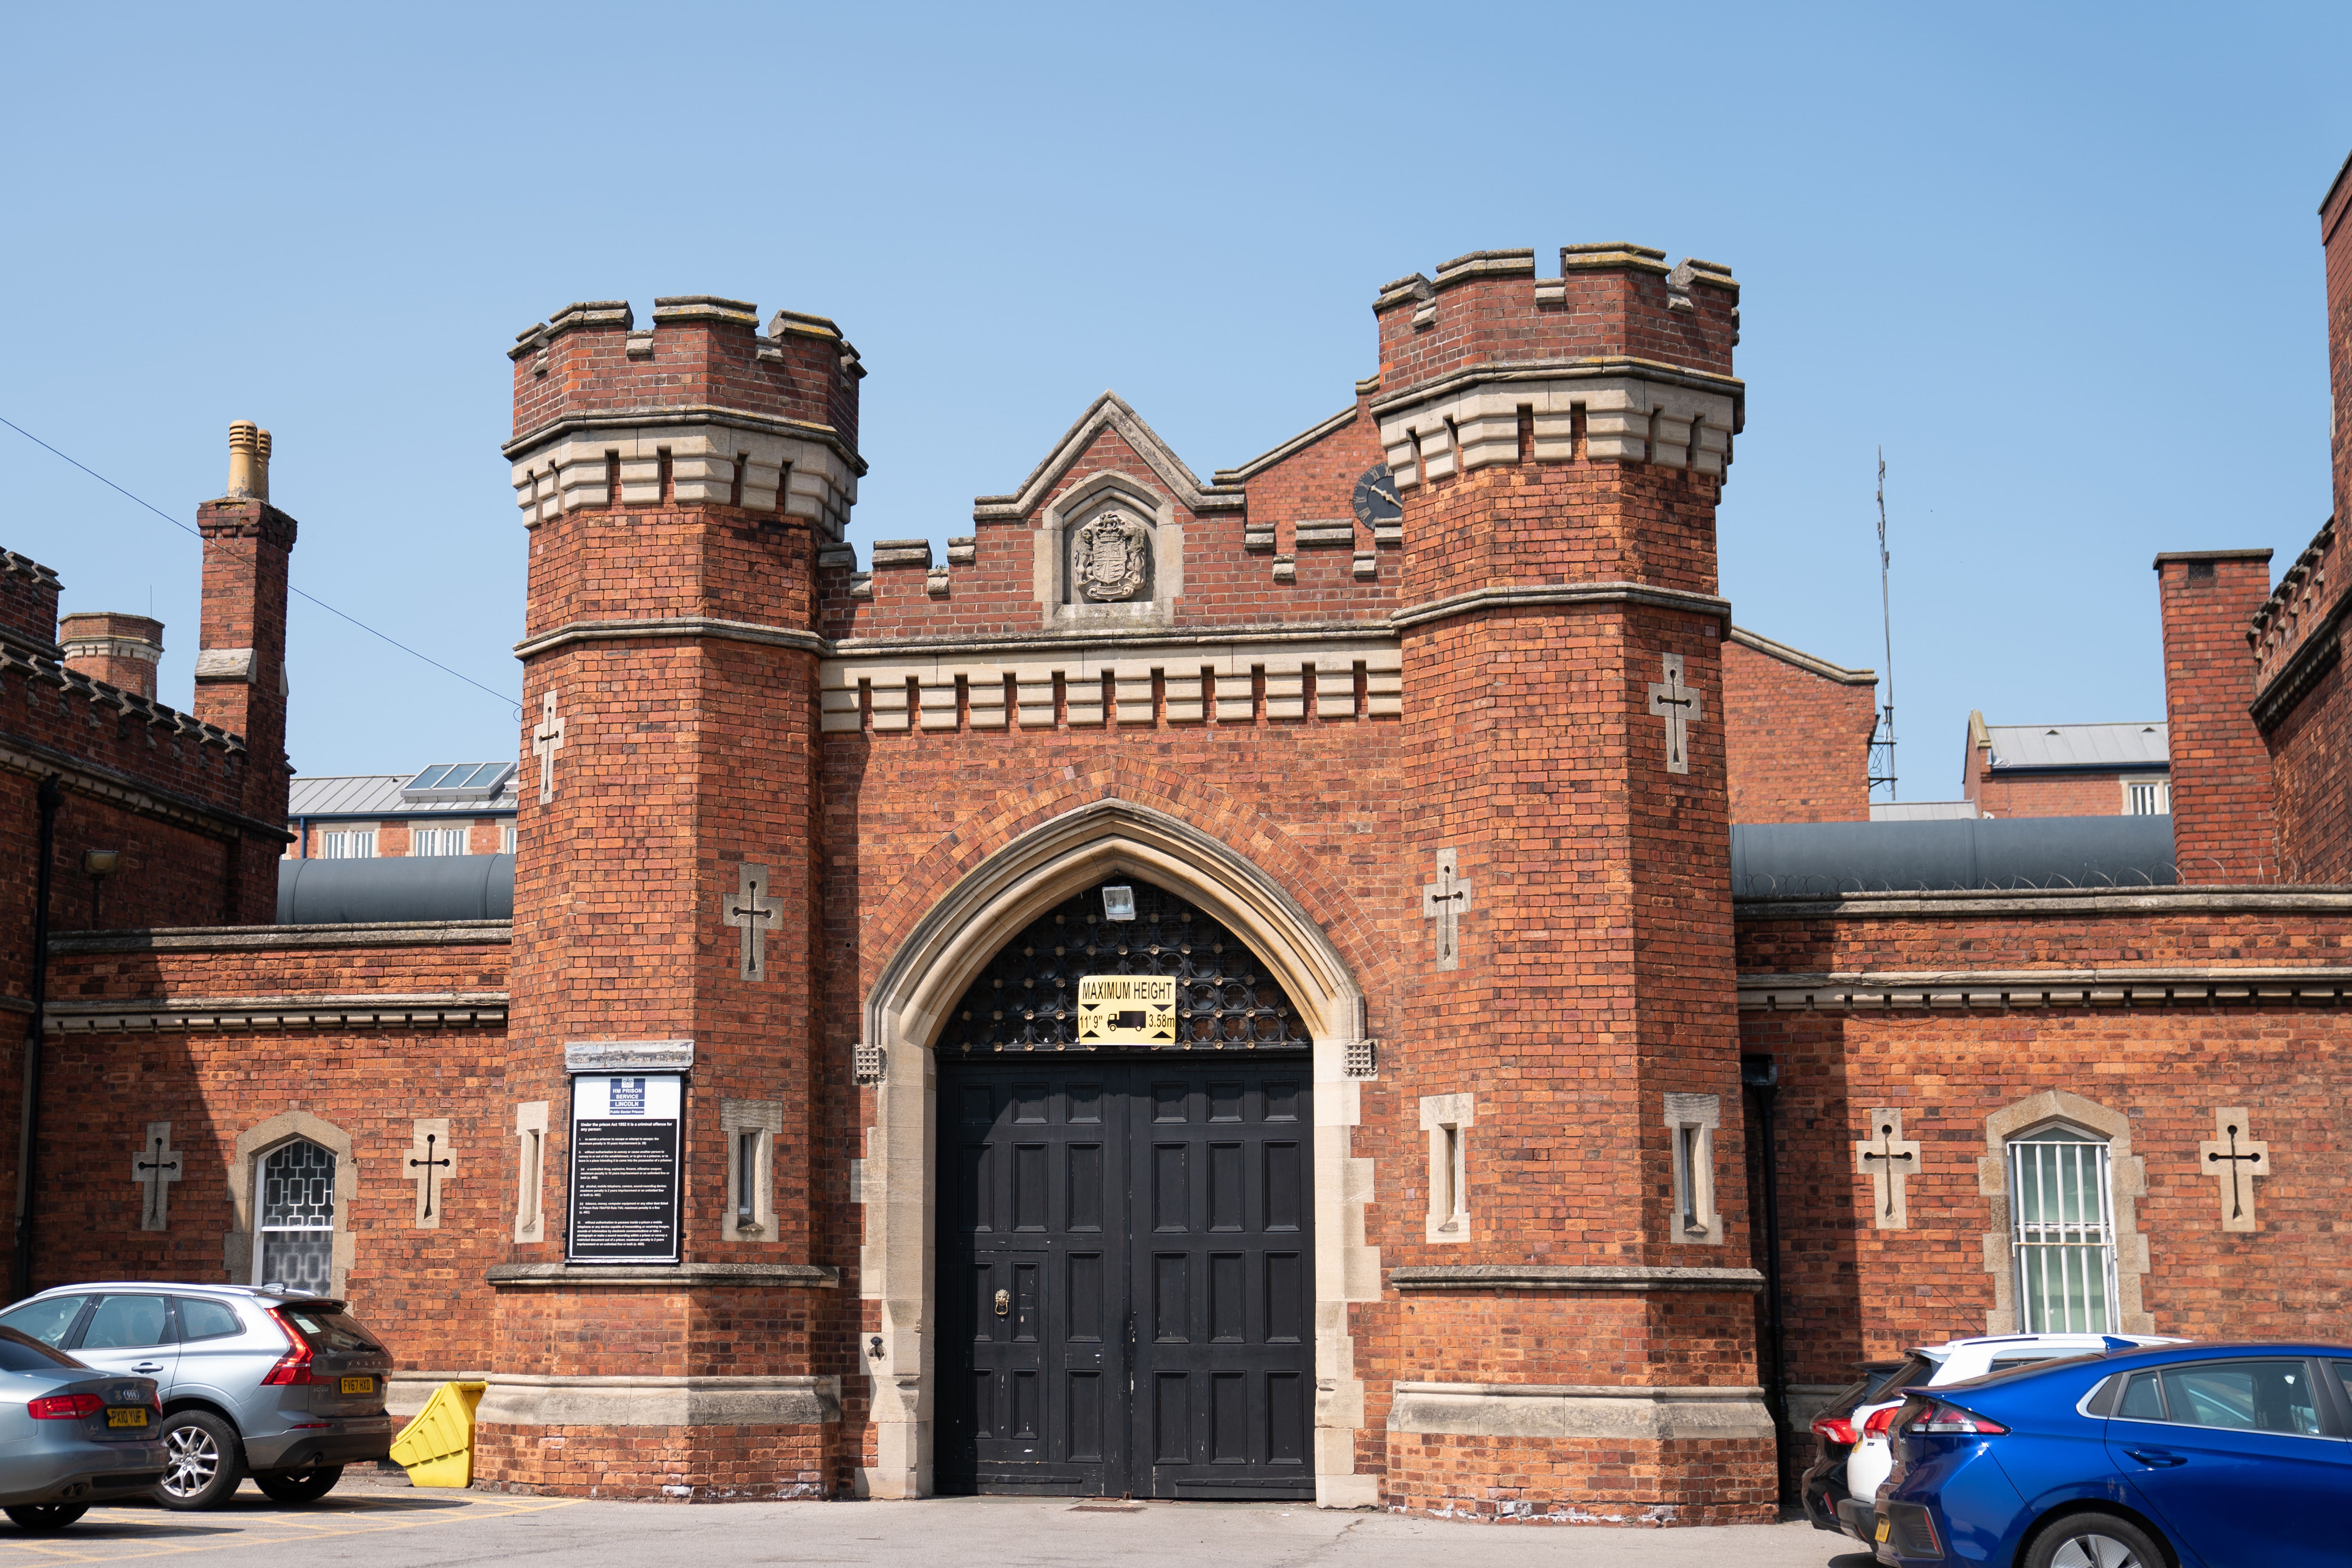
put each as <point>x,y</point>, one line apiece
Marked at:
<point>281,1386</point>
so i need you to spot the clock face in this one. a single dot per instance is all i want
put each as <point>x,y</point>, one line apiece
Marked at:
<point>1376,497</point>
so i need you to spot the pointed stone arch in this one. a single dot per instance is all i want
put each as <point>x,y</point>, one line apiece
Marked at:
<point>907,1007</point>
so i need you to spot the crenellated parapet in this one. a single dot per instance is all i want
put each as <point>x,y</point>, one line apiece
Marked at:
<point>1621,358</point>
<point>702,406</point>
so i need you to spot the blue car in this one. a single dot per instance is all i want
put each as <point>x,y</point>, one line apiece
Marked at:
<point>2204,1456</point>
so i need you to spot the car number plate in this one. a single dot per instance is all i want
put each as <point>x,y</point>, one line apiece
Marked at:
<point>1885,1527</point>
<point>133,1415</point>
<point>359,1385</point>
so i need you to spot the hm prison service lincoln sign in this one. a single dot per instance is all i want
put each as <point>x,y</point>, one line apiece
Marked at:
<point>1127,1010</point>
<point>625,1168</point>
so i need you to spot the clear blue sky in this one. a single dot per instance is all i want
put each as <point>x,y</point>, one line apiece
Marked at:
<point>2062,263</point>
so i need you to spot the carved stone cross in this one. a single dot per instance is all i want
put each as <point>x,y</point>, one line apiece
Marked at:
<point>1888,1159</point>
<point>1446,900</point>
<point>545,742</point>
<point>2234,1158</point>
<point>751,909</point>
<point>431,1164</point>
<point>155,1167</point>
<point>1679,706</point>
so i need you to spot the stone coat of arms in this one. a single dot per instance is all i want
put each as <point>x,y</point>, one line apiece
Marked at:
<point>1108,562</point>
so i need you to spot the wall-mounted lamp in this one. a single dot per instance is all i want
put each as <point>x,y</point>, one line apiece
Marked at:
<point>1119,903</point>
<point>100,864</point>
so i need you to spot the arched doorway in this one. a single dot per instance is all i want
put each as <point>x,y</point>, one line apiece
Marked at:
<point>900,1182</point>
<point>1126,1219</point>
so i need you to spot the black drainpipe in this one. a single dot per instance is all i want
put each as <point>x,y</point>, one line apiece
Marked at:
<point>20,1273</point>
<point>1762,1075</point>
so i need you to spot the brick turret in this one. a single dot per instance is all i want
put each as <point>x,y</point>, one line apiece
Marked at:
<point>121,650</point>
<point>677,483</point>
<point>1560,445</point>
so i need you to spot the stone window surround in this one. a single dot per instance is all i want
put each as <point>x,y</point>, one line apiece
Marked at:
<point>905,1008</point>
<point>1693,1119</point>
<point>1447,1118</point>
<point>2128,1178</point>
<point>531,1171</point>
<point>764,1120</point>
<point>256,1144</point>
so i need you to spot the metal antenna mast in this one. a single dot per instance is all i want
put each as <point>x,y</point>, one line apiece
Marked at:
<point>1882,743</point>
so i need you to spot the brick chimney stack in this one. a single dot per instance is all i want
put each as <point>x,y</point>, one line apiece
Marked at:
<point>241,644</point>
<point>2222,791</point>
<point>121,650</point>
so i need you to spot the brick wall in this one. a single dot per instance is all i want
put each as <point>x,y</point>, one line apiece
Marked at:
<point>1856,1291</point>
<point>28,606</point>
<point>2086,793</point>
<point>1797,740</point>
<point>2222,776</point>
<point>424,1289</point>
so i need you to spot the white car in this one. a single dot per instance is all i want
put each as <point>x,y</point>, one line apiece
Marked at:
<point>1934,1365</point>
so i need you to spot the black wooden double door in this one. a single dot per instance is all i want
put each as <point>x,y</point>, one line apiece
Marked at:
<point>1126,1279</point>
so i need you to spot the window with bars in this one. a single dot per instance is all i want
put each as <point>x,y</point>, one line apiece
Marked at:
<point>2063,1231</point>
<point>506,839</point>
<point>2152,799</point>
<point>297,1231</point>
<point>436,840</point>
<point>348,844</point>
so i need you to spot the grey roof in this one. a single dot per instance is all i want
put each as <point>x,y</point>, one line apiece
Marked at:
<point>408,888</point>
<point>378,795</point>
<point>1798,859</point>
<point>2080,745</point>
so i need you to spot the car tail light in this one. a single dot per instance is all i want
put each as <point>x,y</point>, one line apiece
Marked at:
<point>1880,1421</point>
<point>65,1406</point>
<point>1836,1428</point>
<point>1939,1417</point>
<point>294,1366</point>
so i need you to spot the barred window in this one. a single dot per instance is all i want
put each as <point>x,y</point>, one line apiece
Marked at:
<point>2150,800</point>
<point>436,840</point>
<point>297,1233</point>
<point>348,844</point>
<point>507,838</point>
<point>2063,1231</point>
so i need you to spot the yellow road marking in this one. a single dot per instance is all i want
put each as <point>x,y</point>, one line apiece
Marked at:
<point>386,1516</point>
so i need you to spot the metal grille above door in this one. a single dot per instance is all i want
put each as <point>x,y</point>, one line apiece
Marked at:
<point>1026,999</point>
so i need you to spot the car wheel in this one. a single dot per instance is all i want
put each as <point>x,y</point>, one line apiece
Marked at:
<point>202,1461</point>
<point>2094,1541</point>
<point>299,1485</point>
<point>46,1516</point>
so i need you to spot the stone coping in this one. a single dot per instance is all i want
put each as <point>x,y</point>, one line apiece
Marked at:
<point>385,1010</point>
<point>1570,1276</point>
<point>2262,899</point>
<point>2152,987</point>
<point>628,1056</point>
<point>230,938</point>
<point>540,1275</point>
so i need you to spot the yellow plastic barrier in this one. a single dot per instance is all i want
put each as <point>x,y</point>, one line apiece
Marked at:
<point>437,1449</point>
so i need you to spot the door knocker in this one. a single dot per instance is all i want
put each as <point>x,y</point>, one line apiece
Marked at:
<point>1004,1302</point>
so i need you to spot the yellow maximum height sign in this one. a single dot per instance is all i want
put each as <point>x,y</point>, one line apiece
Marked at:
<point>1127,1010</point>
